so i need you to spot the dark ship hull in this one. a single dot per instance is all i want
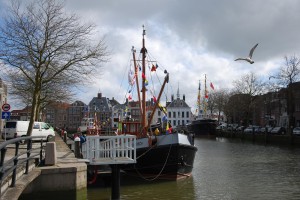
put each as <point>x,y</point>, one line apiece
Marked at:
<point>203,127</point>
<point>164,160</point>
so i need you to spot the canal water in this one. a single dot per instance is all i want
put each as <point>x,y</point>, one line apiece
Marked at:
<point>223,169</point>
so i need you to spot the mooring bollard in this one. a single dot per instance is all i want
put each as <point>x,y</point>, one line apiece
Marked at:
<point>77,147</point>
<point>50,157</point>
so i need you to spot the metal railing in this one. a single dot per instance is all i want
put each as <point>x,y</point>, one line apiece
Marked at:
<point>19,157</point>
<point>102,150</point>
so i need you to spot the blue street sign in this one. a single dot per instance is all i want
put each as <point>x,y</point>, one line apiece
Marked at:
<point>5,115</point>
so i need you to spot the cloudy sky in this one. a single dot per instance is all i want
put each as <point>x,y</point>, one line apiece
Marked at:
<point>191,38</point>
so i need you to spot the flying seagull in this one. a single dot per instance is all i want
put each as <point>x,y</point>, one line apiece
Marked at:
<point>249,58</point>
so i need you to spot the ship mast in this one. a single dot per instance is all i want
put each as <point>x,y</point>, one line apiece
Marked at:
<point>144,51</point>
<point>206,96</point>
<point>137,78</point>
<point>199,99</point>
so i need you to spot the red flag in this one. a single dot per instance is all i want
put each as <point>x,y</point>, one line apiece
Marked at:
<point>153,68</point>
<point>206,94</point>
<point>212,86</point>
<point>143,76</point>
<point>154,99</point>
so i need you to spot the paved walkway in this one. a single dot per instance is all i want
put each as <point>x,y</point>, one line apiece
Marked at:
<point>66,162</point>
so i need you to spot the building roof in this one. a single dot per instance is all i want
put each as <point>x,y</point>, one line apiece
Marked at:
<point>178,103</point>
<point>100,103</point>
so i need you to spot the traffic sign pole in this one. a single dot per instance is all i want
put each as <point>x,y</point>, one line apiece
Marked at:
<point>5,130</point>
<point>5,116</point>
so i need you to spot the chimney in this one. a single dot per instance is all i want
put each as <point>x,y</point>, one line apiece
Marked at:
<point>99,95</point>
<point>183,97</point>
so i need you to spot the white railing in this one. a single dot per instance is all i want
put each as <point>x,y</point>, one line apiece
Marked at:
<point>103,150</point>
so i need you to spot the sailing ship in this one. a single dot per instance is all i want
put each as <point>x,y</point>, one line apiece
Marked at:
<point>203,124</point>
<point>161,153</point>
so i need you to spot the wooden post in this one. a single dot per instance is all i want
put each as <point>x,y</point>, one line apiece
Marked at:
<point>115,182</point>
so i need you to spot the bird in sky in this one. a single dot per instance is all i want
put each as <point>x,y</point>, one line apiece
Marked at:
<point>249,58</point>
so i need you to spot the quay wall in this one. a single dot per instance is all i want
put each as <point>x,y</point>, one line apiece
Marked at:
<point>289,140</point>
<point>67,173</point>
<point>62,178</point>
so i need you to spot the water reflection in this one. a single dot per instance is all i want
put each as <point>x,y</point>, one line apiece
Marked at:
<point>234,170</point>
<point>223,169</point>
<point>136,188</point>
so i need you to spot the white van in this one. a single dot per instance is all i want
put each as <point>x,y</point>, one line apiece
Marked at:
<point>15,129</point>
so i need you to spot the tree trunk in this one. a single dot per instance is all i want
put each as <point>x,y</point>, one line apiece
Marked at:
<point>33,111</point>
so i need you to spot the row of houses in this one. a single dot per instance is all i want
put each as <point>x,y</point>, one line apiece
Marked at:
<point>107,112</point>
<point>272,109</point>
<point>276,108</point>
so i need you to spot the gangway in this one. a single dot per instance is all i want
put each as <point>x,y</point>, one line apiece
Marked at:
<point>106,150</point>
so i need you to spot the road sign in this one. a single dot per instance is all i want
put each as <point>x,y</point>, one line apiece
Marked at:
<point>5,115</point>
<point>6,107</point>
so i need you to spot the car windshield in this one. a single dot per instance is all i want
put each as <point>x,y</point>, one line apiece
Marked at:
<point>10,125</point>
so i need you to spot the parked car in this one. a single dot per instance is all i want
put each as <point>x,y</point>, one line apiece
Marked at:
<point>296,131</point>
<point>278,130</point>
<point>250,129</point>
<point>240,128</point>
<point>263,129</point>
<point>221,127</point>
<point>232,126</point>
<point>14,129</point>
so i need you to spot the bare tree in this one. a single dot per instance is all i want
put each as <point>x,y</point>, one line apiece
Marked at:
<point>221,98</point>
<point>48,49</point>
<point>290,71</point>
<point>251,86</point>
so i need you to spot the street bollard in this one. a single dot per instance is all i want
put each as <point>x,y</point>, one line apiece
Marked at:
<point>50,157</point>
<point>77,147</point>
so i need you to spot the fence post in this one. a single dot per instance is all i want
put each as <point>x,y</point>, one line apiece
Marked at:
<point>13,180</point>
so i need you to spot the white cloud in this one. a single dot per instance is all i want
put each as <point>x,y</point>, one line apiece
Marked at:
<point>190,39</point>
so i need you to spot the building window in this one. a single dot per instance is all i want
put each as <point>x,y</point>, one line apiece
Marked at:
<point>187,114</point>
<point>182,115</point>
<point>182,122</point>
<point>178,122</point>
<point>174,114</point>
<point>158,113</point>
<point>169,114</point>
<point>174,122</point>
